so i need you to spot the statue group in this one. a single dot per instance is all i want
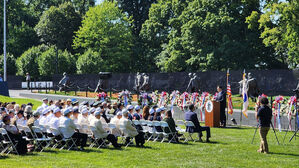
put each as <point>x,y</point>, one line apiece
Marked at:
<point>252,86</point>
<point>142,82</point>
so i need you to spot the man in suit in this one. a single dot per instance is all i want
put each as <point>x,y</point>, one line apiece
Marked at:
<point>221,97</point>
<point>130,131</point>
<point>192,116</point>
<point>99,132</point>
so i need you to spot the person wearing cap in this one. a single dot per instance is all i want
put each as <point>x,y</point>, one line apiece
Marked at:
<point>15,135</point>
<point>68,103</point>
<point>17,108</point>
<point>45,103</point>
<point>43,121</point>
<point>115,120</point>
<point>136,115</point>
<point>69,130</point>
<point>28,111</point>
<point>103,118</point>
<point>192,116</point>
<point>91,114</point>
<point>99,132</point>
<point>75,115</point>
<point>130,110</point>
<point>130,130</point>
<point>34,121</point>
<point>54,124</point>
<point>152,114</point>
<point>113,109</point>
<point>162,112</point>
<point>83,122</point>
<point>157,117</point>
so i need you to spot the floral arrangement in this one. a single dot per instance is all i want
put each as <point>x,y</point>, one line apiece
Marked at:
<point>277,110</point>
<point>102,96</point>
<point>154,96</point>
<point>125,96</point>
<point>184,98</point>
<point>163,99</point>
<point>195,99</point>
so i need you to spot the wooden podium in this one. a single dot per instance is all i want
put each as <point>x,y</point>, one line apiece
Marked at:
<point>212,114</point>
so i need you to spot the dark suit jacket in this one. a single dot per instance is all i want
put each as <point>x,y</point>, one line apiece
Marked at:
<point>221,97</point>
<point>192,116</point>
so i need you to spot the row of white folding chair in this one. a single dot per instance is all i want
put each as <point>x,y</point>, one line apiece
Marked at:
<point>150,127</point>
<point>7,144</point>
<point>185,124</point>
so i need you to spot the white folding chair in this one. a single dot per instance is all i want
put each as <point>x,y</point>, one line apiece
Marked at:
<point>158,134</point>
<point>42,142</point>
<point>181,128</point>
<point>96,140</point>
<point>151,130</point>
<point>67,140</point>
<point>125,136</point>
<point>10,146</point>
<point>167,132</point>
<point>190,124</point>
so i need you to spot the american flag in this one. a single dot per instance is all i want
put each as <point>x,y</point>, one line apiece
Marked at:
<point>229,99</point>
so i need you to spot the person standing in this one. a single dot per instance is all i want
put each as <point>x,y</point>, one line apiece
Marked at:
<point>221,97</point>
<point>28,79</point>
<point>264,116</point>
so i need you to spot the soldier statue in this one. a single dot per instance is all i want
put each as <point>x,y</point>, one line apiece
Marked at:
<point>138,82</point>
<point>252,86</point>
<point>64,83</point>
<point>145,86</point>
<point>100,85</point>
<point>193,84</point>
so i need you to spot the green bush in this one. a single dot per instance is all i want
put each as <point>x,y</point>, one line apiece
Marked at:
<point>10,64</point>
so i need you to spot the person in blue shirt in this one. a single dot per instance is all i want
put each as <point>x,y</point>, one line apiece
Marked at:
<point>192,116</point>
<point>136,115</point>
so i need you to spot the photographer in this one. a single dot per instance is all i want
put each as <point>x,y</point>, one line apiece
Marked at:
<point>264,116</point>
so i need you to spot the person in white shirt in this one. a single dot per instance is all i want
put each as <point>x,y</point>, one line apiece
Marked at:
<point>45,103</point>
<point>43,121</point>
<point>54,124</point>
<point>91,112</point>
<point>130,131</point>
<point>69,130</point>
<point>99,132</point>
<point>83,122</point>
<point>115,120</point>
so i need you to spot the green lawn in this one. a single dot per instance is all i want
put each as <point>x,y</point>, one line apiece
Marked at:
<point>230,148</point>
<point>21,101</point>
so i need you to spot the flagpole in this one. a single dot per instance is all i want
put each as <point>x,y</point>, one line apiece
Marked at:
<point>4,40</point>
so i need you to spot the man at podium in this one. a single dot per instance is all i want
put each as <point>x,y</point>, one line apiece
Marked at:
<point>221,97</point>
<point>192,116</point>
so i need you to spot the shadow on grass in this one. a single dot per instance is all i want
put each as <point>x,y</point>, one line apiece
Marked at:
<point>287,154</point>
<point>3,157</point>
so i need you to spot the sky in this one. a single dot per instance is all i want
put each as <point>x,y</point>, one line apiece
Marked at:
<point>99,1</point>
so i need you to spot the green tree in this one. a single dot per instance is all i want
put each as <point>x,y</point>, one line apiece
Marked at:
<point>90,63</point>
<point>206,35</point>
<point>20,34</point>
<point>47,62</point>
<point>105,30</point>
<point>39,6</point>
<point>27,62</point>
<point>280,29</point>
<point>57,26</point>
<point>10,64</point>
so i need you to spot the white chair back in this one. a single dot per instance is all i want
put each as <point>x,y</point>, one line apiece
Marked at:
<point>189,124</point>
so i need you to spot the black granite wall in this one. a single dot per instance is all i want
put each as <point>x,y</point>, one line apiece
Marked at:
<point>271,82</point>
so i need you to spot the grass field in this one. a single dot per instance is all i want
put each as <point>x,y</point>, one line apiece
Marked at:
<point>21,101</point>
<point>230,147</point>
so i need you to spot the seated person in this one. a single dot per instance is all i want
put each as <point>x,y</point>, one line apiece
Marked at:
<point>15,135</point>
<point>34,121</point>
<point>136,115</point>
<point>115,120</point>
<point>99,132</point>
<point>130,130</point>
<point>130,112</point>
<point>157,117</point>
<point>69,129</point>
<point>54,123</point>
<point>192,116</point>
<point>170,121</point>
<point>84,122</point>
